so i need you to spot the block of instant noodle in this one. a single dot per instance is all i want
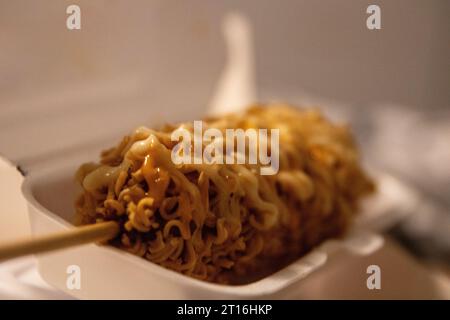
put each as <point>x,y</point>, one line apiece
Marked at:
<point>227,223</point>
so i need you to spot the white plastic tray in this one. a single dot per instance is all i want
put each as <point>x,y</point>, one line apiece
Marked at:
<point>110,273</point>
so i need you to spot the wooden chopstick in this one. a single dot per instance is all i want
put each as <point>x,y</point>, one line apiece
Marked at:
<point>70,238</point>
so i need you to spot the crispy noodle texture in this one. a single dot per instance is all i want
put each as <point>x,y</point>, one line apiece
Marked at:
<point>226,223</point>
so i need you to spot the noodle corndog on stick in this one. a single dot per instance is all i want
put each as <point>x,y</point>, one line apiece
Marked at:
<point>226,222</point>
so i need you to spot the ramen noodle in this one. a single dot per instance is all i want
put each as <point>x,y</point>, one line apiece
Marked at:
<point>227,223</point>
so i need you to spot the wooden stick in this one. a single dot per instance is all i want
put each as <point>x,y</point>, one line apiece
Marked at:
<point>70,238</point>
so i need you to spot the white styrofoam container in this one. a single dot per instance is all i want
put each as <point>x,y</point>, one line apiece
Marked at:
<point>110,273</point>
<point>62,141</point>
